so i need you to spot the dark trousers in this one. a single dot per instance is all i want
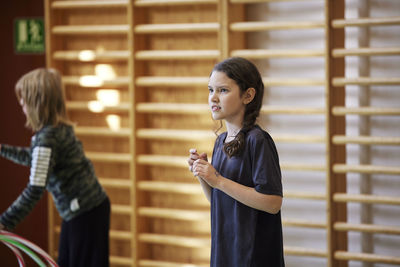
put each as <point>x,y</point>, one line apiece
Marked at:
<point>84,240</point>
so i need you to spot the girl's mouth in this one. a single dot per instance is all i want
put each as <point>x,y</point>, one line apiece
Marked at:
<point>215,108</point>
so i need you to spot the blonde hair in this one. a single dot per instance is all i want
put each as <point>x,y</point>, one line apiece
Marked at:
<point>42,93</point>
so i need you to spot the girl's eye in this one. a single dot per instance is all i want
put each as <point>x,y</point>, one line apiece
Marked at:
<point>210,90</point>
<point>223,90</point>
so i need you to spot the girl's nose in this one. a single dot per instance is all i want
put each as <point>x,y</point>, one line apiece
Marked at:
<point>214,97</point>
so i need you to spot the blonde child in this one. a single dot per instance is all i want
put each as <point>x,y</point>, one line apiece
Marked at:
<point>57,163</point>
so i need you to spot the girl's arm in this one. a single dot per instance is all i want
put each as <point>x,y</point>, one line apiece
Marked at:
<point>204,185</point>
<point>244,194</point>
<point>19,155</point>
<point>21,207</point>
<point>40,168</point>
<point>206,188</point>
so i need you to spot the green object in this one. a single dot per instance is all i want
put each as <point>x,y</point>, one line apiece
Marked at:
<point>25,249</point>
<point>29,35</point>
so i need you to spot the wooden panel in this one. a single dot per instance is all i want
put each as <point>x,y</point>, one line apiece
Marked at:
<point>89,45</point>
<point>366,169</point>
<point>336,182</point>
<point>135,75</point>
<point>180,42</point>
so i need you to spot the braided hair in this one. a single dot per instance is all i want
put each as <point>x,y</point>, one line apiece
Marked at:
<point>246,75</point>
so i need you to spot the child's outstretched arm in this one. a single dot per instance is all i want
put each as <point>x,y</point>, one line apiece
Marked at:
<point>41,166</point>
<point>244,194</point>
<point>19,155</point>
<point>192,158</point>
<point>22,206</point>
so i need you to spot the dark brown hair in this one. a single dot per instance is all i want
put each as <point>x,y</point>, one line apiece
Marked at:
<point>246,75</point>
<point>42,94</point>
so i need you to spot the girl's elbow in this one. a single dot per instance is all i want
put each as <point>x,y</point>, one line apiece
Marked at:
<point>275,210</point>
<point>275,206</point>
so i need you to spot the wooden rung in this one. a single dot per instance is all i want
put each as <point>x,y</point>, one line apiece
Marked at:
<point>176,135</point>
<point>109,157</point>
<point>170,187</point>
<point>172,108</point>
<point>172,81</point>
<point>123,261</point>
<point>84,106</point>
<point>362,198</point>
<point>194,135</point>
<point>116,82</point>
<point>307,252</point>
<point>186,108</point>
<point>369,228</point>
<point>340,81</point>
<point>149,3</point>
<point>177,28</point>
<point>289,138</point>
<point>121,209</point>
<point>91,55</point>
<point>366,51</point>
<point>275,53</point>
<point>181,162</point>
<point>153,263</point>
<point>302,167</point>
<point>203,81</point>
<point>341,111</point>
<point>263,1</point>
<point>341,23</point>
<point>116,183</point>
<point>366,140</point>
<point>174,214</point>
<point>364,168</point>
<point>270,81</point>
<point>275,25</point>
<point>102,131</point>
<point>177,54</point>
<point>304,195</point>
<point>173,240</point>
<point>120,235</point>
<point>352,256</point>
<point>303,223</point>
<point>291,110</point>
<point>90,29</point>
<point>89,4</point>
<point>161,160</point>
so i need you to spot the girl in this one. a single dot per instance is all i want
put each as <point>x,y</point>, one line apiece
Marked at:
<point>58,164</point>
<point>243,181</point>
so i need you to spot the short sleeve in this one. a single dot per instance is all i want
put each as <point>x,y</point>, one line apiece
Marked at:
<point>266,171</point>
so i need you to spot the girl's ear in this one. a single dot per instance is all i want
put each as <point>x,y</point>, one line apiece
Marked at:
<point>248,96</point>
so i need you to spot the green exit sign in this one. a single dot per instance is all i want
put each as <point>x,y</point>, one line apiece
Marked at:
<point>29,35</point>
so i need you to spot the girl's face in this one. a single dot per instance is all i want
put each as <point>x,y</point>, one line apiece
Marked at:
<point>224,98</point>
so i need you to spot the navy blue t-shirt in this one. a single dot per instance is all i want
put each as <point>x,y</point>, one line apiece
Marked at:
<point>242,236</point>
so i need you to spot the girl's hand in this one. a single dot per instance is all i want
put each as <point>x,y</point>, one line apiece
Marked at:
<point>195,156</point>
<point>2,227</point>
<point>207,172</point>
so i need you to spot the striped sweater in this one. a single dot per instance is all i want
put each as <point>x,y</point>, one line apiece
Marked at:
<point>57,163</point>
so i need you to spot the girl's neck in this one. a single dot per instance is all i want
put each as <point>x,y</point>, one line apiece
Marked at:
<point>232,130</point>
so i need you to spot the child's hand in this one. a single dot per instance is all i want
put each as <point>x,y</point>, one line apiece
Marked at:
<point>206,171</point>
<point>2,227</point>
<point>195,156</point>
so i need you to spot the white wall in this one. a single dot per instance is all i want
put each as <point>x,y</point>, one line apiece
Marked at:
<point>381,96</point>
